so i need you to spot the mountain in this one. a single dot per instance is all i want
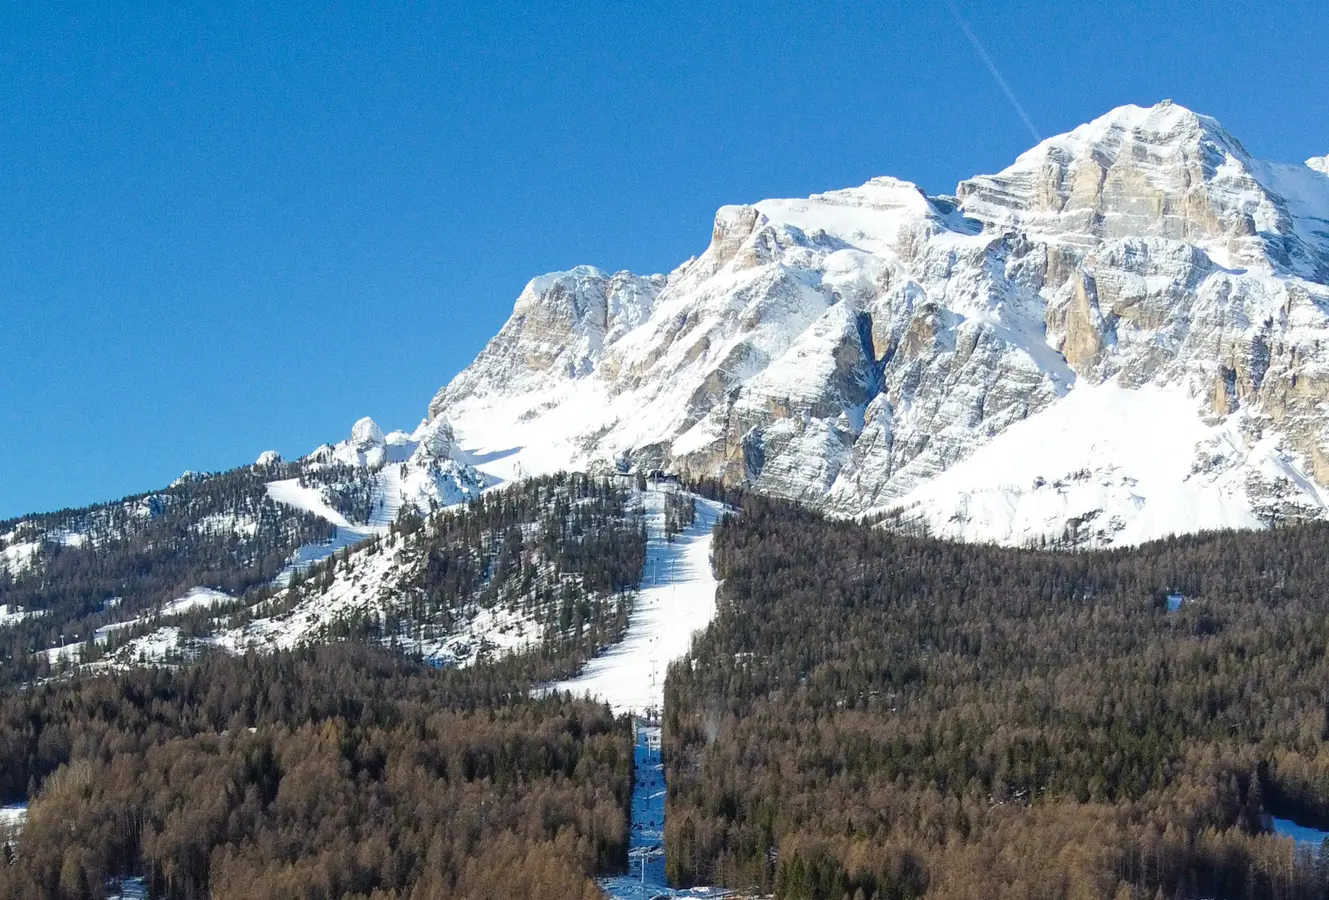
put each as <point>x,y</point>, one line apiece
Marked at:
<point>1120,336</point>
<point>1117,337</point>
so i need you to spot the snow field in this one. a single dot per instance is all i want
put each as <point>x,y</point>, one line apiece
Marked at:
<point>1129,459</point>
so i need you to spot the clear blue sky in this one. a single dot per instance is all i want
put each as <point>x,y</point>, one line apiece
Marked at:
<point>228,231</point>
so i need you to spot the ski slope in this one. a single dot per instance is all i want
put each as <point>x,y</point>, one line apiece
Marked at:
<point>307,499</point>
<point>677,598</point>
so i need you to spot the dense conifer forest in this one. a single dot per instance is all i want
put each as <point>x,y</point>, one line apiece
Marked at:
<point>351,768</point>
<point>870,715</point>
<point>340,771</point>
<point>879,716</point>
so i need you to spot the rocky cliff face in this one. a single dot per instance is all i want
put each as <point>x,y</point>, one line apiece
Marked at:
<point>1122,335</point>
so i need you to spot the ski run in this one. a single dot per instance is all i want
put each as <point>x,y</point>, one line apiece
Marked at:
<point>677,598</point>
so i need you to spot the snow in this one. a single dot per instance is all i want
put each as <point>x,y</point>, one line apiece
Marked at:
<point>1305,190</point>
<point>194,598</point>
<point>365,434</point>
<point>72,538</point>
<point>268,458</point>
<point>421,470</point>
<point>309,499</point>
<point>67,653</point>
<point>540,284</point>
<point>127,889</point>
<point>487,632</point>
<point>1310,838</point>
<point>310,554</point>
<point>677,599</point>
<point>227,523</point>
<point>9,614</point>
<point>20,556</point>
<point>357,589</point>
<point>1161,119</point>
<point>13,815</point>
<point>371,583</point>
<point>1319,163</point>
<point>870,217</point>
<point>103,634</point>
<point>155,646</point>
<point>1131,459</point>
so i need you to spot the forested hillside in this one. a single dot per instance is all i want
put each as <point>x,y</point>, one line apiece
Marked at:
<point>83,569</point>
<point>548,565</point>
<point>341,771</point>
<point>872,715</point>
<point>370,750</point>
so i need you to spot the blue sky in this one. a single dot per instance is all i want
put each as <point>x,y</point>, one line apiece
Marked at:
<point>228,230</point>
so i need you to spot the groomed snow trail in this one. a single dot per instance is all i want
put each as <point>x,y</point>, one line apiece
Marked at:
<point>677,598</point>
<point>291,493</point>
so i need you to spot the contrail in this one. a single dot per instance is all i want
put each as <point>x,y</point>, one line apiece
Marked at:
<point>992,67</point>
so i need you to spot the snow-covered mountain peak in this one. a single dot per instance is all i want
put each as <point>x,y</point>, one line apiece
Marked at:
<point>1161,172</point>
<point>1319,163</point>
<point>850,347</point>
<point>1164,128</point>
<point>370,478</point>
<point>366,435</point>
<point>573,284</point>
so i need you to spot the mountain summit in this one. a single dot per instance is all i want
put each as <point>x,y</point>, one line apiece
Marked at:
<point>1120,336</point>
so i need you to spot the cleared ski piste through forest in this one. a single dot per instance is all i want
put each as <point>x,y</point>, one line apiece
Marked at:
<point>677,598</point>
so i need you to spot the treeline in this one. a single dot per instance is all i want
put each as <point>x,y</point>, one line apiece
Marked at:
<point>872,715</point>
<point>341,771</point>
<point>111,562</point>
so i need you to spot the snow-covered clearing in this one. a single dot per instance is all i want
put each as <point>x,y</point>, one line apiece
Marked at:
<point>13,816</point>
<point>677,598</point>
<point>68,653</point>
<point>18,557</point>
<point>10,614</point>
<point>12,819</point>
<point>196,597</point>
<point>227,523</point>
<point>292,493</point>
